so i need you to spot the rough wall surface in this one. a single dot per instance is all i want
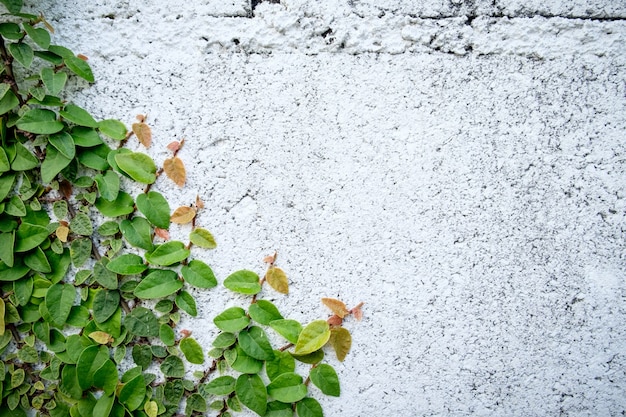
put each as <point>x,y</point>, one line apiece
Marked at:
<point>460,166</point>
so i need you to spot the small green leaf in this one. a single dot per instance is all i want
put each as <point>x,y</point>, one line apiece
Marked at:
<point>173,367</point>
<point>289,329</point>
<point>53,81</point>
<point>105,277</point>
<point>11,30</point>
<point>113,129</point>
<point>159,283</point>
<point>127,264</point>
<point>29,236</point>
<point>223,385</point>
<point>137,232</point>
<point>142,322</point>
<point>192,350</point>
<point>325,378</point>
<point>168,254</point>
<point>39,35</point>
<point>22,53</point>
<point>108,185</point>
<point>109,228</point>
<point>255,343</point>
<point>186,302</point>
<point>287,388</point>
<point>40,121</point>
<point>138,166</point>
<point>121,206</point>
<point>37,261</point>
<point>133,393</point>
<point>64,143</point>
<point>78,67</point>
<point>309,407</point>
<point>156,209</point>
<point>7,245</point>
<point>85,137</point>
<point>15,207</point>
<point>251,392</point>
<point>264,312</point>
<point>8,102</point>
<point>244,282</point>
<point>54,163</point>
<point>224,340</point>
<point>80,251</point>
<point>232,320</point>
<point>89,361</point>
<point>59,301</point>
<point>240,361</point>
<point>78,116</point>
<point>313,336</point>
<point>167,335</point>
<point>202,238</point>
<point>95,157</point>
<point>105,303</point>
<point>198,274</point>
<point>81,225</point>
<point>142,355</point>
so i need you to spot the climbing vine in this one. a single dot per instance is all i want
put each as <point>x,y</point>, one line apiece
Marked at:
<point>91,285</point>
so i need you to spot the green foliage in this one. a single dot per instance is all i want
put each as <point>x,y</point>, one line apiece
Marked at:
<point>76,306</point>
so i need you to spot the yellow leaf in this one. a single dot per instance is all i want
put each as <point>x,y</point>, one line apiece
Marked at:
<point>341,341</point>
<point>151,408</point>
<point>62,232</point>
<point>277,279</point>
<point>175,170</point>
<point>337,307</point>
<point>183,215</point>
<point>101,338</point>
<point>143,133</point>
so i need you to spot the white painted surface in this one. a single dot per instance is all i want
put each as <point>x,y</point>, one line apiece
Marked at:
<point>467,181</point>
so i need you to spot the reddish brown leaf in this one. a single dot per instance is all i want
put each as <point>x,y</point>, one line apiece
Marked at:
<point>66,188</point>
<point>175,170</point>
<point>143,133</point>
<point>185,333</point>
<point>277,279</point>
<point>335,320</point>
<point>83,57</point>
<point>270,259</point>
<point>183,215</point>
<point>337,307</point>
<point>341,341</point>
<point>174,146</point>
<point>162,233</point>
<point>141,118</point>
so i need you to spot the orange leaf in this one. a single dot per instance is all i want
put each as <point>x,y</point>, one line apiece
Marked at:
<point>143,133</point>
<point>335,320</point>
<point>337,307</point>
<point>175,170</point>
<point>199,203</point>
<point>174,146</point>
<point>183,215</point>
<point>270,259</point>
<point>341,341</point>
<point>83,57</point>
<point>62,232</point>
<point>141,118</point>
<point>162,233</point>
<point>277,279</point>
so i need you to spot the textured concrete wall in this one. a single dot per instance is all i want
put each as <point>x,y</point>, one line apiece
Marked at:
<point>459,166</point>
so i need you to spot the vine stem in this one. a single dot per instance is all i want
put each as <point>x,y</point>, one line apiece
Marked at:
<point>8,66</point>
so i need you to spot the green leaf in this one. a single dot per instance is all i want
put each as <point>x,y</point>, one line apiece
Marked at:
<point>251,392</point>
<point>309,407</point>
<point>133,393</point>
<point>142,355</point>
<point>13,6</point>
<point>244,282</point>
<point>278,409</point>
<point>202,238</point>
<point>6,184</point>
<point>95,157</point>
<point>289,329</point>
<point>173,367</point>
<point>341,341</point>
<point>40,121</point>
<point>168,254</point>
<point>109,228</point>
<point>5,165</point>
<point>313,336</point>
<point>85,137</point>
<point>105,303</point>
<point>137,232</point>
<point>310,358</point>
<point>79,316</point>
<point>54,163</point>
<point>22,53</point>
<point>167,335</point>
<point>103,275</point>
<point>78,67</point>
<point>9,30</point>
<point>80,251</point>
<point>53,81</point>
<point>159,283</point>
<point>106,377</point>
<point>59,301</point>
<point>186,302</point>
<point>24,159</point>
<point>156,209</point>
<point>142,322</point>
<point>39,35</point>
<point>287,388</point>
<point>255,343</point>
<point>8,102</point>
<point>325,378</point>
<point>192,350</point>
<point>138,166</point>
<point>108,185</point>
<point>64,143</point>
<point>113,129</point>
<point>89,361</point>
<point>78,116</point>
<point>224,340</point>
<point>37,261</point>
<point>282,363</point>
<point>121,206</point>
<point>29,236</point>
<point>232,320</point>
<point>195,402</point>
<point>69,383</point>
<point>81,224</point>
<point>15,207</point>
<point>7,244</point>
<point>264,312</point>
<point>223,385</point>
<point>198,274</point>
<point>127,264</point>
<point>240,361</point>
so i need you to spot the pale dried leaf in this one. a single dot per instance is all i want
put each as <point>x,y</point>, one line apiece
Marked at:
<point>337,307</point>
<point>101,338</point>
<point>277,279</point>
<point>183,215</point>
<point>174,146</point>
<point>62,233</point>
<point>141,118</point>
<point>175,170</point>
<point>357,312</point>
<point>199,203</point>
<point>143,133</point>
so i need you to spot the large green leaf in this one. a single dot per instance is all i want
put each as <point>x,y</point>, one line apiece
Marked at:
<point>192,350</point>
<point>155,207</point>
<point>37,261</point>
<point>8,102</point>
<point>29,236</point>
<point>78,67</point>
<point>64,143</point>
<point>313,336</point>
<point>59,301</point>
<point>168,254</point>
<point>142,322</point>
<point>282,363</point>
<point>40,121</point>
<point>105,303</point>
<point>85,137</point>
<point>251,392</point>
<point>133,393</point>
<point>89,361</point>
<point>108,185</point>
<point>173,367</point>
<point>158,284</point>
<point>5,165</point>
<point>138,166</point>
<point>23,159</point>
<point>240,361</point>
<point>113,129</point>
<point>7,245</point>
<point>325,378</point>
<point>198,274</point>
<point>22,53</point>
<point>222,385</point>
<point>6,184</point>
<point>13,6</point>
<point>287,388</point>
<point>78,116</point>
<point>95,157</point>
<point>54,163</point>
<point>255,343</point>
<point>309,407</point>
<point>121,206</point>
<point>244,282</point>
<point>232,320</point>
<point>289,329</point>
<point>39,35</point>
<point>264,312</point>
<point>127,264</point>
<point>186,302</point>
<point>80,251</point>
<point>137,232</point>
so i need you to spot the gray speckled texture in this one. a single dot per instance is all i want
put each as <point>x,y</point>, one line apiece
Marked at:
<point>466,178</point>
